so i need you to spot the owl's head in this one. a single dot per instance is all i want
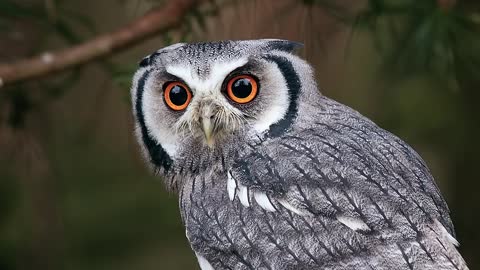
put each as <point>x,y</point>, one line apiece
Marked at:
<point>198,102</point>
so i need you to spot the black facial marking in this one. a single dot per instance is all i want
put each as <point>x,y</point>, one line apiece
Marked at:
<point>158,156</point>
<point>145,62</point>
<point>293,85</point>
<point>148,60</point>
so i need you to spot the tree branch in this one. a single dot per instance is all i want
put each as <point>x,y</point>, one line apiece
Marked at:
<point>155,21</point>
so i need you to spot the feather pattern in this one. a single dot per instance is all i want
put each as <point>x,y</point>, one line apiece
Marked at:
<point>352,171</point>
<point>293,179</point>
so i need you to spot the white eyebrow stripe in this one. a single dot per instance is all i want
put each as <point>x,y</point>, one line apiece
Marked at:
<point>218,72</point>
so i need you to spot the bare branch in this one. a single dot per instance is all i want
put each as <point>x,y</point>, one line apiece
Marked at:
<point>157,20</point>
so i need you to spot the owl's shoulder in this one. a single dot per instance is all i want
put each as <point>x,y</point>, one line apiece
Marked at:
<point>343,164</point>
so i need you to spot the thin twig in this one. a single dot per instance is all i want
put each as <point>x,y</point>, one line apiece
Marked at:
<point>157,20</point>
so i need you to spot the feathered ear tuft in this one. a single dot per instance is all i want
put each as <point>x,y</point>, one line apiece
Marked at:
<point>148,60</point>
<point>282,45</point>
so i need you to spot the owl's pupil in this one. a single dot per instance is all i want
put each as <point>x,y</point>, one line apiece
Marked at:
<point>242,88</point>
<point>178,95</point>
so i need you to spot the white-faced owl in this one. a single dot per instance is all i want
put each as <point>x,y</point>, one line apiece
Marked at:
<point>271,174</point>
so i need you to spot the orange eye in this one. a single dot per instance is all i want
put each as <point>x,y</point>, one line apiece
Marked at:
<point>242,89</point>
<point>177,96</point>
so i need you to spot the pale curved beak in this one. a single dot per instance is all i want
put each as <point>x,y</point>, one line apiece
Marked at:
<point>207,127</point>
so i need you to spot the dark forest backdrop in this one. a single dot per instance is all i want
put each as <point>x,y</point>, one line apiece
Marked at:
<point>74,193</point>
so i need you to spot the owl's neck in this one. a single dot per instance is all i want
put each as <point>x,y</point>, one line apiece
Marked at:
<point>196,161</point>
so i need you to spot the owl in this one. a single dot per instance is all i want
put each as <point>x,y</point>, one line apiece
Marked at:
<point>271,174</point>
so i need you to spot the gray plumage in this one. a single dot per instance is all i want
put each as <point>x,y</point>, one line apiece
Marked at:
<point>291,179</point>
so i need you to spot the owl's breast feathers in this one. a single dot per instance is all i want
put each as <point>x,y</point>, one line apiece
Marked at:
<point>340,193</point>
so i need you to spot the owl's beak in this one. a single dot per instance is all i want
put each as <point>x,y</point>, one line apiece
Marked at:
<point>207,127</point>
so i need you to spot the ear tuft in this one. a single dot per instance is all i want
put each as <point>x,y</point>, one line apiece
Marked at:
<point>283,45</point>
<point>148,60</point>
<point>145,62</point>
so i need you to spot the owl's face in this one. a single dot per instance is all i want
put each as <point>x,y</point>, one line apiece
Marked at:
<point>202,99</point>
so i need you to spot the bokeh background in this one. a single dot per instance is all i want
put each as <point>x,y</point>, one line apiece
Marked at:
<point>74,192</point>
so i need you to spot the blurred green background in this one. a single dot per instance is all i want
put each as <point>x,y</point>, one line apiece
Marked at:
<point>74,192</point>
